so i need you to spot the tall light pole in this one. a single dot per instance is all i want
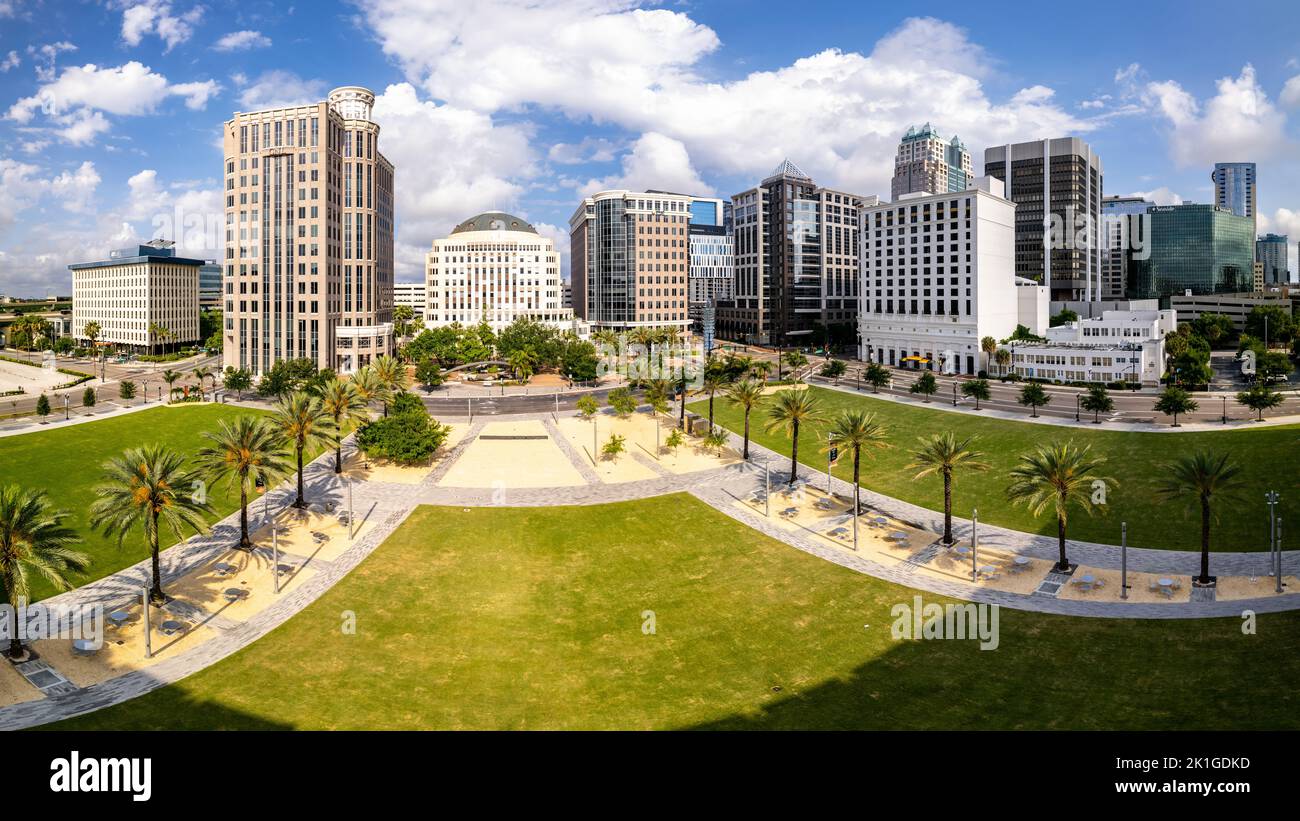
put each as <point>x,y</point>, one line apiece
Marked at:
<point>1077,398</point>
<point>1123,560</point>
<point>1278,587</point>
<point>350,528</point>
<point>954,393</point>
<point>974,543</point>
<point>275,556</point>
<point>767,488</point>
<point>1271,499</point>
<point>1225,409</point>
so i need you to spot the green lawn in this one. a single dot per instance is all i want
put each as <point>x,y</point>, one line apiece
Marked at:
<point>531,618</point>
<point>1268,456</point>
<point>65,462</point>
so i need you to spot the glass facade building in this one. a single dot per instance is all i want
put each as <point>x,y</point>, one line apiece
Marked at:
<point>1271,252</point>
<point>1204,249</point>
<point>1234,187</point>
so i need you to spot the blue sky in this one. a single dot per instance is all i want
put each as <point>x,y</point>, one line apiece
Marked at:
<point>110,111</point>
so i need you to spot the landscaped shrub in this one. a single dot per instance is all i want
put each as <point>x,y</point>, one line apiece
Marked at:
<point>407,436</point>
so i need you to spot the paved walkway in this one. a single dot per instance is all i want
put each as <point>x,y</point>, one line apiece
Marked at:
<point>388,504</point>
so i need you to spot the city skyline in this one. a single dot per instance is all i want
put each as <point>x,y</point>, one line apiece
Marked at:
<point>109,137</point>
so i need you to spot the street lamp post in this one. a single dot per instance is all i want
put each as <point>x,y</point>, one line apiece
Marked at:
<point>275,556</point>
<point>1123,560</point>
<point>1271,499</point>
<point>66,405</point>
<point>767,488</point>
<point>1077,398</point>
<point>351,530</point>
<point>954,393</point>
<point>974,543</point>
<point>1278,587</point>
<point>148,639</point>
<point>1225,409</point>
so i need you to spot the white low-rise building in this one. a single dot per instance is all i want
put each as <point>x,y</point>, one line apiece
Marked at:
<point>495,268</point>
<point>410,294</point>
<point>1120,346</point>
<point>143,297</point>
<point>937,274</point>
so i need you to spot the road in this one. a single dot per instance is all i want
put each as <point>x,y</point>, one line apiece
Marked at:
<point>487,405</point>
<point>1129,406</point>
<point>146,375</point>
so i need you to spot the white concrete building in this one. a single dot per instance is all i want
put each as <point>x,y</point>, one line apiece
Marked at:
<point>495,267</point>
<point>937,274</point>
<point>133,293</point>
<point>1120,346</point>
<point>410,294</point>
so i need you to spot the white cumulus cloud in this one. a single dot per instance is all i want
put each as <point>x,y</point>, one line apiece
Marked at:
<point>242,41</point>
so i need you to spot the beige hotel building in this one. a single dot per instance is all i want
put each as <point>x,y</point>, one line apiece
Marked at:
<point>308,268</point>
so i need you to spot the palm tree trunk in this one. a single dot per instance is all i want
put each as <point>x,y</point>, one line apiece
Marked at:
<point>947,508</point>
<point>15,644</point>
<point>155,591</point>
<point>794,454</point>
<point>1205,541</point>
<point>300,502</point>
<point>745,455</point>
<point>338,458</point>
<point>1063,564</point>
<point>857,486</point>
<point>244,541</point>
<point>710,411</point>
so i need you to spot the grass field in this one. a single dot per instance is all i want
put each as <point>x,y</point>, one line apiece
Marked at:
<point>531,618</point>
<point>1268,456</point>
<point>65,463</point>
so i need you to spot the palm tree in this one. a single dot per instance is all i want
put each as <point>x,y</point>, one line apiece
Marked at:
<point>521,363</point>
<point>391,373</point>
<point>856,430</point>
<point>244,451</point>
<point>92,330</point>
<point>33,539</point>
<point>202,373</point>
<point>148,486</point>
<point>989,346</point>
<point>715,379</point>
<point>169,376</point>
<point>1204,476</point>
<point>792,409</point>
<point>944,454</point>
<point>368,387</point>
<point>1003,357</point>
<point>1059,477</point>
<point>346,411</point>
<point>303,423</point>
<point>747,393</point>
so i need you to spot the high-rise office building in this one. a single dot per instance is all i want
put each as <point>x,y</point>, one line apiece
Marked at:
<point>1119,227</point>
<point>796,247</point>
<point>712,255</point>
<point>1271,251</point>
<point>210,285</point>
<point>938,276</point>
<point>309,235</point>
<point>136,292</point>
<point>494,268</point>
<point>926,162</point>
<point>630,260</point>
<point>1056,185</point>
<point>1234,188</point>
<point>1201,249</point>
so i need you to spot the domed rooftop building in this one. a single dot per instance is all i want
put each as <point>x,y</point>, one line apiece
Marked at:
<point>494,221</point>
<point>495,267</point>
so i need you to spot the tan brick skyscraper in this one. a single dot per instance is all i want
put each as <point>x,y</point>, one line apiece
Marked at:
<point>308,268</point>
